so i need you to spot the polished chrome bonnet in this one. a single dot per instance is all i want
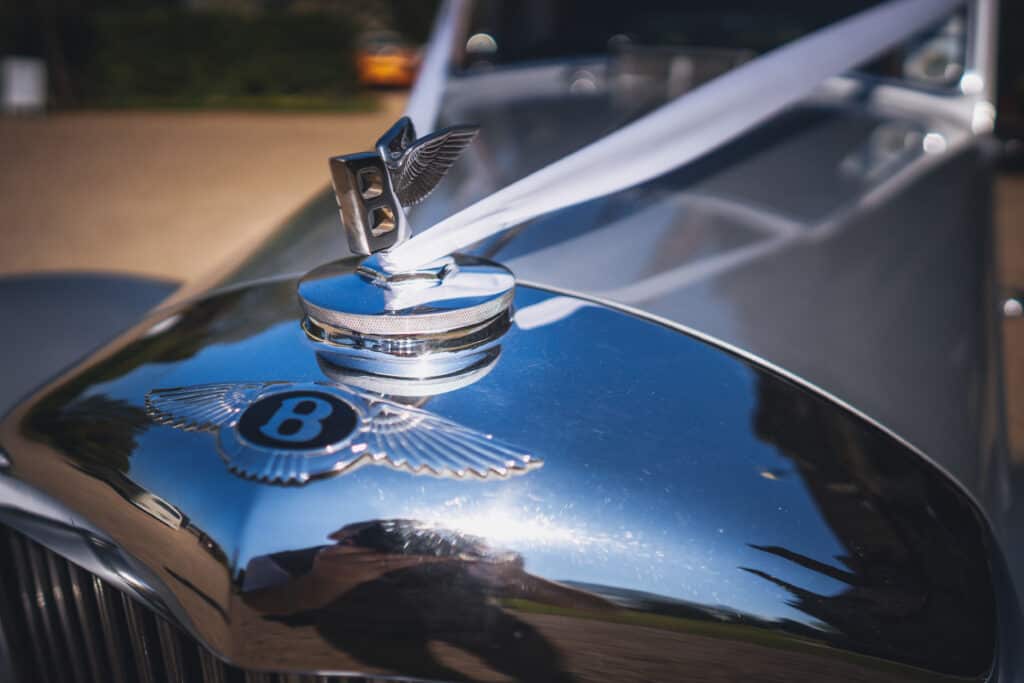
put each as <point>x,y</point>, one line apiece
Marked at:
<point>599,496</point>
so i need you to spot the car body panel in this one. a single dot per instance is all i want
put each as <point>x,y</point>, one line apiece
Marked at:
<point>54,320</point>
<point>758,512</point>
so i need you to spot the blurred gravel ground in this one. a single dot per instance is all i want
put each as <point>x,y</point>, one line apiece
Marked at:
<point>179,195</point>
<point>166,194</point>
<point>1010,225</point>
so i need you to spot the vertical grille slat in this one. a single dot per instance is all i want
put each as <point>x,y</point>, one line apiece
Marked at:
<point>87,616</point>
<point>61,594</point>
<point>211,667</point>
<point>140,646</point>
<point>170,649</point>
<point>30,607</point>
<point>81,630</point>
<point>43,605</point>
<point>107,611</point>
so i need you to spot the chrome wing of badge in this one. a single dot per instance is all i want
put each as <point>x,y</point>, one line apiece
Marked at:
<point>291,432</point>
<point>372,188</point>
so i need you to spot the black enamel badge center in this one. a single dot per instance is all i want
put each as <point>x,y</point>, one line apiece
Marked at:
<point>297,420</point>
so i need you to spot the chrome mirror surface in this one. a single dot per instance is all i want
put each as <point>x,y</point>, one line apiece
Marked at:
<point>425,323</point>
<point>655,507</point>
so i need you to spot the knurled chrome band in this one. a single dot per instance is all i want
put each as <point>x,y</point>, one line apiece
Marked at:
<point>406,324</point>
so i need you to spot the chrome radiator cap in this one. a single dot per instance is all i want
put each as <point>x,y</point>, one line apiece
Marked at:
<point>418,324</point>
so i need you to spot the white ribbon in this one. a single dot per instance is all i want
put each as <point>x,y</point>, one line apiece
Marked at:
<point>425,99</point>
<point>679,131</point>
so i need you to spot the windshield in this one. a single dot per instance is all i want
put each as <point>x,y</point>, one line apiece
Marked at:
<point>712,35</point>
<point>508,32</point>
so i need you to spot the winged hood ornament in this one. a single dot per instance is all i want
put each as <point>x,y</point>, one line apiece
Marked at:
<point>401,323</point>
<point>373,188</point>
<point>290,432</point>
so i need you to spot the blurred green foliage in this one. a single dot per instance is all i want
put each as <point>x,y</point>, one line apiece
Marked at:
<point>164,56</point>
<point>195,57</point>
<point>414,18</point>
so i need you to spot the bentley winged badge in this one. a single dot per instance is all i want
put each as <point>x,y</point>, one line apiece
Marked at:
<point>372,188</point>
<point>291,432</point>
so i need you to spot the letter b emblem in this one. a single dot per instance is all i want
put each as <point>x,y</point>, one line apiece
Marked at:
<point>297,420</point>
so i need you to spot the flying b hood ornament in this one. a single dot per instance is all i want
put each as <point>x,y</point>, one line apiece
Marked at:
<point>421,322</point>
<point>372,188</point>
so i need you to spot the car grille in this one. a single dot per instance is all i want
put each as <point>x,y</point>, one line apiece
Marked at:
<point>65,625</point>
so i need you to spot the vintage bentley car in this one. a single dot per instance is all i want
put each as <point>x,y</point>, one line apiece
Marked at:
<point>689,370</point>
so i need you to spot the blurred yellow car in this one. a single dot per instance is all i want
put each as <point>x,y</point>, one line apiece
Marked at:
<point>383,59</point>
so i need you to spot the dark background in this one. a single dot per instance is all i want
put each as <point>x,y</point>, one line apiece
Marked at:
<point>266,53</point>
<point>1010,119</point>
<point>203,53</point>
